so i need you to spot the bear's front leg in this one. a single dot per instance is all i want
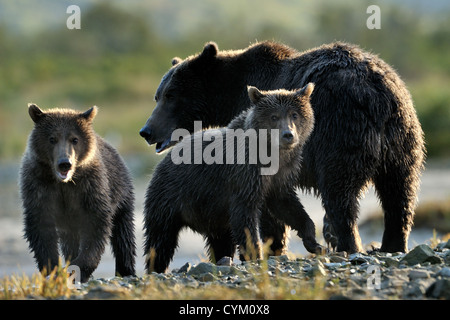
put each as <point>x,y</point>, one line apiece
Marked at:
<point>92,247</point>
<point>39,218</point>
<point>95,230</point>
<point>40,232</point>
<point>289,209</point>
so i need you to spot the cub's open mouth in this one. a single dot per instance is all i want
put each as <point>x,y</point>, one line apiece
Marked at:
<point>63,175</point>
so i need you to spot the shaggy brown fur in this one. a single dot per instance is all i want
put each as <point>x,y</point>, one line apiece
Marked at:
<point>223,201</point>
<point>366,129</point>
<point>76,192</point>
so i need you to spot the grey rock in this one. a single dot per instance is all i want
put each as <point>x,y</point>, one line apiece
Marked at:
<point>418,274</point>
<point>391,262</point>
<point>337,259</point>
<point>317,270</point>
<point>282,258</point>
<point>225,261</point>
<point>207,277</point>
<point>444,245</point>
<point>333,265</point>
<point>447,257</point>
<point>356,258</point>
<point>359,258</point>
<point>272,262</point>
<point>444,272</point>
<point>440,289</point>
<point>201,268</point>
<point>421,254</point>
<point>414,291</point>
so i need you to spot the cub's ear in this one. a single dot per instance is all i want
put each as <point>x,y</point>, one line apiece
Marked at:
<point>90,114</point>
<point>176,61</point>
<point>210,50</point>
<point>254,94</point>
<point>35,112</point>
<point>306,91</point>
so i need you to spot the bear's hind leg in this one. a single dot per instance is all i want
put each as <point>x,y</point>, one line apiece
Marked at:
<point>397,189</point>
<point>244,222</point>
<point>340,192</point>
<point>123,240</point>
<point>161,230</point>
<point>220,246</point>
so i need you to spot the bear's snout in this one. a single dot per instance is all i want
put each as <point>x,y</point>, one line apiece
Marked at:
<point>287,136</point>
<point>145,133</point>
<point>64,169</point>
<point>64,164</point>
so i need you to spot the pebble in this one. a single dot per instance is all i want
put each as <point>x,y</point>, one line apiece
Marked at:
<point>418,274</point>
<point>439,289</point>
<point>444,272</point>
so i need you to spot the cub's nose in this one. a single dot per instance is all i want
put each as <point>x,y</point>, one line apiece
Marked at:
<point>64,164</point>
<point>287,136</point>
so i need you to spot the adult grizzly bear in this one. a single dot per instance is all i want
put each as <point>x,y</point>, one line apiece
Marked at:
<point>76,192</point>
<point>366,128</point>
<point>216,183</point>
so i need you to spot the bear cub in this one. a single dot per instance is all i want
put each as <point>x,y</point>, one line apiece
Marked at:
<point>223,201</point>
<point>76,192</point>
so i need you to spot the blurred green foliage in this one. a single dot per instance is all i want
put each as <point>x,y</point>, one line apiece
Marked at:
<point>121,52</point>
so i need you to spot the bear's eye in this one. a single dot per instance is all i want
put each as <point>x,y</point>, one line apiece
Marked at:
<point>274,118</point>
<point>156,98</point>
<point>53,140</point>
<point>168,96</point>
<point>74,141</point>
<point>294,115</point>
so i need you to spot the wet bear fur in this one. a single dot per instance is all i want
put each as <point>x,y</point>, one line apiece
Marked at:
<point>366,128</point>
<point>76,192</point>
<point>223,202</point>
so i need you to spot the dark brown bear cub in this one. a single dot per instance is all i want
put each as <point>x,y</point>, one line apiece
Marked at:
<point>76,192</point>
<point>198,185</point>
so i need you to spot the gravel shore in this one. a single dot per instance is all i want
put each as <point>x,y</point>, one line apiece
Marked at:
<point>423,273</point>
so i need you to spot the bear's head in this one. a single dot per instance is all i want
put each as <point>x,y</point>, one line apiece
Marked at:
<point>185,95</point>
<point>62,139</point>
<point>288,111</point>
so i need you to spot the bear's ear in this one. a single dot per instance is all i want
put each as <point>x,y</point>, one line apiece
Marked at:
<point>35,112</point>
<point>306,91</point>
<point>210,50</point>
<point>254,94</point>
<point>176,61</point>
<point>90,114</point>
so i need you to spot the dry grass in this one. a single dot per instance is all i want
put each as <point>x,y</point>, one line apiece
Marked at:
<point>256,285</point>
<point>52,286</point>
